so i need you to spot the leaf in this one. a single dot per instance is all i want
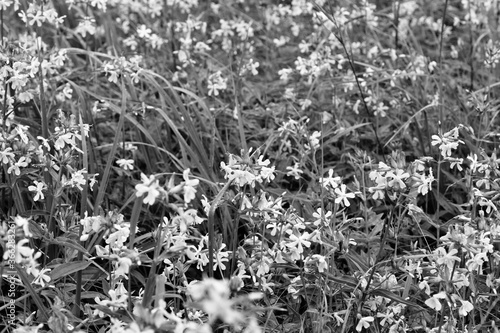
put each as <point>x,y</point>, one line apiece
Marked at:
<point>68,242</point>
<point>36,297</point>
<point>357,260</point>
<point>120,314</point>
<point>92,295</point>
<point>345,132</point>
<point>344,280</point>
<point>116,141</point>
<point>405,125</point>
<point>392,296</point>
<point>67,269</point>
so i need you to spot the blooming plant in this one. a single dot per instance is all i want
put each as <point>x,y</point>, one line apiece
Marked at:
<point>249,166</point>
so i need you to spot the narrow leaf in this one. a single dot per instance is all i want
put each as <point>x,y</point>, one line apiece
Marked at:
<point>68,269</point>
<point>392,296</point>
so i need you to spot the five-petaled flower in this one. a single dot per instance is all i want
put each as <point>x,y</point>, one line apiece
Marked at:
<point>398,178</point>
<point>343,196</point>
<point>149,186</point>
<point>16,167</point>
<point>330,181</point>
<point>38,188</point>
<point>297,241</point>
<point>125,164</point>
<point>364,322</point>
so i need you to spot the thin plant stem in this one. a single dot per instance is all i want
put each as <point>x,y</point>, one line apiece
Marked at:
<point>83,212</point>
<point>471,54</point>
<point>44,115</point>
<point>211,228</point>
<point>397,4</point>
<point>441,63</point>
<point>440,107</point>
<point>1,28</point>
<point>340,39</point>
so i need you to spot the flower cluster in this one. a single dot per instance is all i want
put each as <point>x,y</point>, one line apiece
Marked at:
<point>447,142</point>
<point>248,171</point>
<point>216,83</point>
<point>16,242</point>
<point>152,191</point>
<point>120,66</point>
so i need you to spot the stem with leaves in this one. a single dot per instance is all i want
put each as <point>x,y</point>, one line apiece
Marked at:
<point>211,227</point>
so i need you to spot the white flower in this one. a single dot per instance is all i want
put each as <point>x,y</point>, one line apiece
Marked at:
<point>447,142</point>
<point>426,183</point>
<point>37,18</point>
<point>6,156</point>
<point>22,131</point>
<point>117,239</point>
<point>342,196</point>
<point>122,267</point>
<point>397,178</point>
<point>364,322</point>
<point>90,223</point>
<point>314,140</point>
<point>267,173</point>
<point>446,258</point>
<point>38,188</point>
<point>189,186</point>
<point>78,179</point>
<point>434,302</point>
<point>150,186</point>
<point>213,296</point>
<point>215,83</point>
<point>250,67</point>
<point>294,171</point>
<point>235,173</point>
<point>143,31</point>
<point>125,164</point>
<point>4,4</point>
<point>25,96</point>
<point>117,299</point>
<point>86,26</point>
<point>16,167</point>
<point>206,204</point>
<point>63,139</point>
<point>320,217</point>
<point>322,264</point>
<point>465,308</point>
<point>22,252</point>
<point>330,181</point>
<point>23,223</point>
<point>42,277</point>
<point>285,74</point>
<point>456,163</point>
<point>297,242</point>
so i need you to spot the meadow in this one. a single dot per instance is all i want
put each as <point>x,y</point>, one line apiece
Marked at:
<point>250,166</point>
